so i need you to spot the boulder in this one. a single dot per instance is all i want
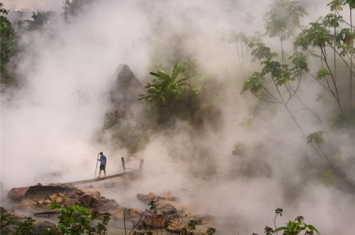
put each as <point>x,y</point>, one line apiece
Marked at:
<point>124,97</point>
<point>126,88</point>
<point>40,227</point>
<point>146,197</point>
<point>166,209</point>
<point>85,200</point>
<point>35,199</point>
<point>40,191</point>
<point>17,194</point>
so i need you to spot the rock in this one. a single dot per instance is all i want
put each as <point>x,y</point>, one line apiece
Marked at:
<point>129,213</point>
<point>92,192</point>
<point>124,94</point>
<point>3,211</point>
<point>40,227</point>
<point>57,198</point>
<point>154,221</point>
<point>26,205</point>
<point>168,197</point>
<point>103,205</point>
<point>146,198</point>
<point>69,203</point>
<point>166,209</point>
<point>40,191</point>
<point>176,225</point>
<point>85,200</point>
<point>17,194</point>
<point>37,198</point>
<point>126,88</point>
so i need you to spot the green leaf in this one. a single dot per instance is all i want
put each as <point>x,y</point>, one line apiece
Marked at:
<point>154,74</point>
<point>323,73</point>
<point>163,75</point>
<point>316,137</point>
<point>178,68</point>
<point>181,80</point>
<point>253,83</point>
<point>312,228</point>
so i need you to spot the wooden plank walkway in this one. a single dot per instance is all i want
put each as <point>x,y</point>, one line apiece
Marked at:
<point>131,172</point>
<point>103,178</point>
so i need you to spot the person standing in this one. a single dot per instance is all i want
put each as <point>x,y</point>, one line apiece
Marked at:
<point>103,161</point>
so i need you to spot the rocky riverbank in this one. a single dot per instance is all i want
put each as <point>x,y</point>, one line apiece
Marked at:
<point>164,212</point>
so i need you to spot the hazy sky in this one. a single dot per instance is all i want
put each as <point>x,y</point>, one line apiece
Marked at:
<point>33,4</point>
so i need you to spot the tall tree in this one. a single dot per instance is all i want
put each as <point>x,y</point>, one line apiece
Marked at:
<point>7,45</point>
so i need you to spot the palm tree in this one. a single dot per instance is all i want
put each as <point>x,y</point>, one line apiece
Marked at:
<point>165,90</point>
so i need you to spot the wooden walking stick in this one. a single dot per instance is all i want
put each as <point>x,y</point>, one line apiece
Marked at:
<point>96,163</point>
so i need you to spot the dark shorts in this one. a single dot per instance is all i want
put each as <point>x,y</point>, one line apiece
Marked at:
<point>103,167</point>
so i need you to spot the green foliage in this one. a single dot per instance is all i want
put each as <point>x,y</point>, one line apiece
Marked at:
<point>40,20</point>
<point>3,10</point>
<point>240,150</point>
<point>153,206</point>
<point>74,220</point>
<point>279,72</point>
<point>299,62</point>
<point>253,83</point>
<point>210,231</point>
<point>77,220</point>
<point>327,177</point>
<point>316,137</point>
<point>261,52</point>
<point>74,7</point>
<point>191,225</point>
<point>10,226</point>
<point>317,35</point>
<point>296,227</point>
<point>8,39</point>
<point>8,47</point>
<point>323,73</point>
<point>332,20</point>
<point>165,89</point>
<point>336,5</point>
<point>344,121</point>
<point>283,18</point>
<point>170,98</point>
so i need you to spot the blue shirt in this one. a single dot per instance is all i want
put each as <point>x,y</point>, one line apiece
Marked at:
<point>103,160</point>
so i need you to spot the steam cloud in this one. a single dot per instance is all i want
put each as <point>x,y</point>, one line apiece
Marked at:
<point>48,128</point>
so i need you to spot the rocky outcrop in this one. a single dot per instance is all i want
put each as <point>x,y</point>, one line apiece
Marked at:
<point>126,87</point>
<point>123,95</point>
<point>17,193</point>
<point>164,211</point>
<point>37,198</point>
<point>167,213</point>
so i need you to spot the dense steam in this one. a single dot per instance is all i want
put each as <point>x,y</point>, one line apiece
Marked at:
<point>50,126</point>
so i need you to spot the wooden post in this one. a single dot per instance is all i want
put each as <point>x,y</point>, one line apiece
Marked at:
<point>141,165</point>
<point>123,164</point>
